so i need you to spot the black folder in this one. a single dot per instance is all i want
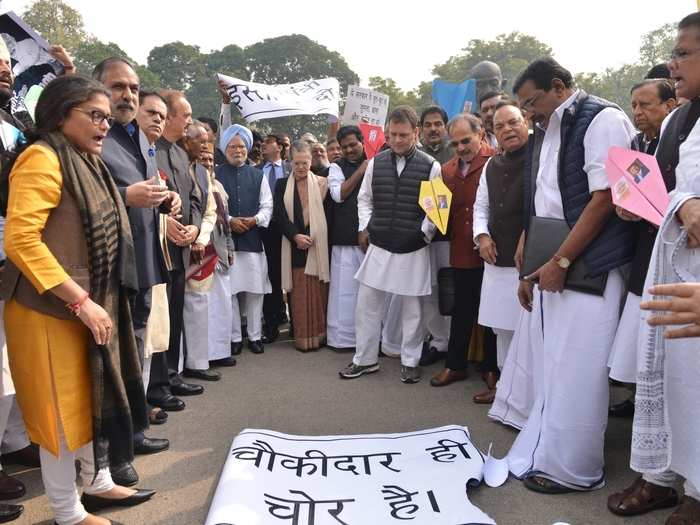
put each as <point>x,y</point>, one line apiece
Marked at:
<point>544,237</point>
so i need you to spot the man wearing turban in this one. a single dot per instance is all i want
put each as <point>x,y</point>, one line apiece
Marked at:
<point>249,210</point>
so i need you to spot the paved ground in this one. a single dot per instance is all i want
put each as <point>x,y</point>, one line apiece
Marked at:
<point>297,393</point>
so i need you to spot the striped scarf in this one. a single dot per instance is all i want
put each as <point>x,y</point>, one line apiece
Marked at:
<point>118,399</point>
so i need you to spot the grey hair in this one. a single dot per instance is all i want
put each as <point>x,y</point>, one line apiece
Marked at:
<point>474,123</point>
<point>300,146</point>
<point>195,124</point>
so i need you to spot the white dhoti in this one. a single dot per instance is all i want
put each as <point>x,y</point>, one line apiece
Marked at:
<point>248,276</point>
<point>515,393</point>
<point>195,317</point>
<point>438,326</point>
<point>220,316</point>
<point>382,274</point>
<point>342,296</point>
<point>571,334</point>
<point>499,307</point>
<point>623,355</point>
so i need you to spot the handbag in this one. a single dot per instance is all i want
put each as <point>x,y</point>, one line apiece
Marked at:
<point>544,238</point>
<point>446,291</point>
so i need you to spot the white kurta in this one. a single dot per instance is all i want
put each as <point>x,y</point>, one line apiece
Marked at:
<point>248,273</point>
<point>397,273</point>
<point>623,355</point>
<point>681,359</point>
<point>572,334</point>
<point>342,295</point>
<point>515,393</point>
<point>498,306</point>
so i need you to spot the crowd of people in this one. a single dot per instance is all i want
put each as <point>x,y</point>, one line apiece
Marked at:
<point>142,247</point>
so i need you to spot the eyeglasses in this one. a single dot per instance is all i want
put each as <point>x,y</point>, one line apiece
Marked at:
<point>236,146</point>
<point>678,55</point>
<point>530,102</point>
<point>96,116</point>
<point>465,141</point>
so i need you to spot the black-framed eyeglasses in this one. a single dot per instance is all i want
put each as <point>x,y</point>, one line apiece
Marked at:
<point>530,102</point>
<point>678,55</point>
<point>96,116</point>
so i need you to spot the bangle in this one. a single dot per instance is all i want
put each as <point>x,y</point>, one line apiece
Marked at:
<point>75,307</point>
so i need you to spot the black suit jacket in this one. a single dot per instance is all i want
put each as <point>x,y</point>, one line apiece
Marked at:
<point>129,162</point>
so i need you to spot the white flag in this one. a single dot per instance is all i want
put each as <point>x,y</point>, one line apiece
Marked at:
<point>262,101</point>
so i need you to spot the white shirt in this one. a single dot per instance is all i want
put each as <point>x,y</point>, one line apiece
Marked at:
<point>336,177</point>
<point>365,203</point>
<point>610,127</point>
<point>480,220</point>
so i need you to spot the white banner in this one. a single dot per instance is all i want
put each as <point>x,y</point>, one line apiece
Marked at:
<point>365,105</point>
<point>262,101</point>
<point>417,477</point>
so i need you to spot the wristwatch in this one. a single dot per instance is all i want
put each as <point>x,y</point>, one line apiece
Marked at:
<point>562,262</point>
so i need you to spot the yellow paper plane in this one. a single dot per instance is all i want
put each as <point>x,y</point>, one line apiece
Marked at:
<point>436,199</point>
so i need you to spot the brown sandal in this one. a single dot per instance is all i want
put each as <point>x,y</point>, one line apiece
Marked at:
<point>642,497</point>
<point>687,514</point>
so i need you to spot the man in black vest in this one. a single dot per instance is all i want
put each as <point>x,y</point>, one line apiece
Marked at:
<point>652,101</point>
<point>666,432</point>
<point>174,164</point>
<point>344,179</point>
<point>394,230</point>
<point>498,224</point>
<point>560,449</point>
<point>125,152</point>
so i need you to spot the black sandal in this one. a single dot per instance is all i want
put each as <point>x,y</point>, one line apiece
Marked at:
<point>545,486</point>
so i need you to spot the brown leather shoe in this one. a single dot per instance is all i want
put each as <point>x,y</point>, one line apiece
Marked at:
<point>486,397</point>
<point>642,497</point>
<point>10,488</point>
<point>687,514</point>
<point>27,456</point>
<point>448,376</point>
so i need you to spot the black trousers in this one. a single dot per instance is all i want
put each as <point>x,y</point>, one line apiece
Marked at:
<point>490,362</point>
<point>465,314</point>
<point>273,303</point>
<point>140,310</point>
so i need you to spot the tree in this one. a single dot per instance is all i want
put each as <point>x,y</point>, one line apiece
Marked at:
<point>657,45</point>
<point>512,52</point>
<point>57,22</point>
<point>91,52</point>
<point>178,65</point>
<point>397,97</point>
<point>294,58</point>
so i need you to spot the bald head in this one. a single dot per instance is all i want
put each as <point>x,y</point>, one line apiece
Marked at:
<point>510,127</point>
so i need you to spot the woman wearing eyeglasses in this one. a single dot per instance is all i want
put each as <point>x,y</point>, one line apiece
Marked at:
<point>70,263</point>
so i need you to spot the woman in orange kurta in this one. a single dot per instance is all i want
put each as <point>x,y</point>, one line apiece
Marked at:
<point>48,349</point>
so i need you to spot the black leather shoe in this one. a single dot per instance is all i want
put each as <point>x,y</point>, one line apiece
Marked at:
<point>204,375</point>
<point>151,446</point>
<point>124,475</point>
<point>431,356</point>
<point>10,488</point>
<point>270,336</point>
<point>168,402</point>
<point>623,409</point>
<point>256,347</point>
<point>224,361</point>
<point>236,348</point>
<point>186,389</point>
<point>10,512</point>
<point>96,503</point>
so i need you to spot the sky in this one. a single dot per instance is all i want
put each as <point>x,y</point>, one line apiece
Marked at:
<point>402,40</point>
